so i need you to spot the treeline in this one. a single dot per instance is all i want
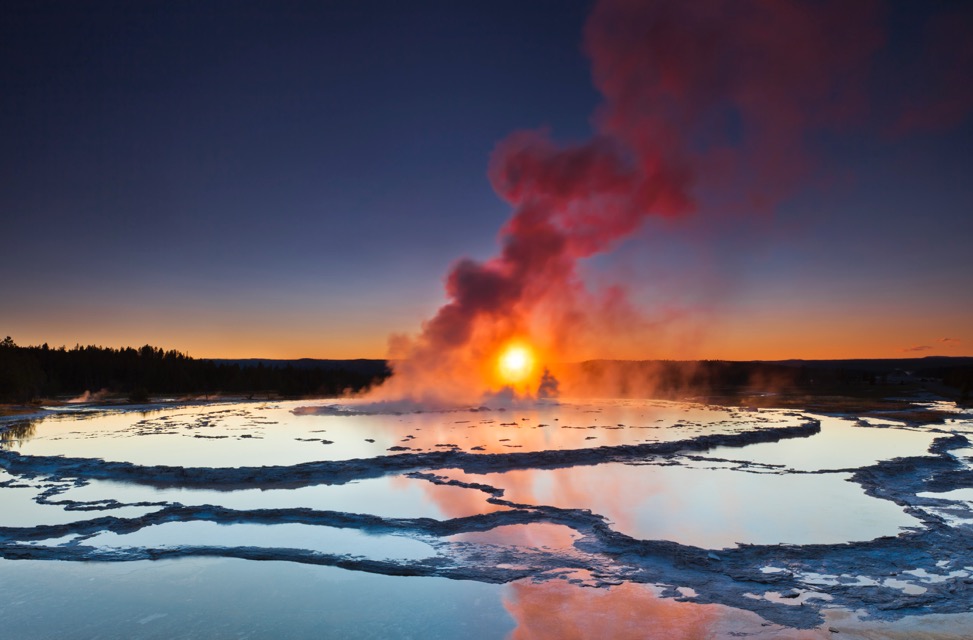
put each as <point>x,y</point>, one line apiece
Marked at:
<point>27,373</point>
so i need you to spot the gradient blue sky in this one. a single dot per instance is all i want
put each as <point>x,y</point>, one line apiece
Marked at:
<point>287,179</point>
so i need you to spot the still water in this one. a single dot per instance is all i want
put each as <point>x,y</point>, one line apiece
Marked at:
<point>547,521</point>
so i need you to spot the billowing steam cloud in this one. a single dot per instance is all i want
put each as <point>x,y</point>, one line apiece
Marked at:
<point>709,96</point>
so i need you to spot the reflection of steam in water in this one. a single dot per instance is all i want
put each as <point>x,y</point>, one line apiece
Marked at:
<point>15,434</point>
<point>557,609</point>
<point>567,609</point>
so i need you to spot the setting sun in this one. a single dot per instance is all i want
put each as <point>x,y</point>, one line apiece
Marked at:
<point>515,364</point>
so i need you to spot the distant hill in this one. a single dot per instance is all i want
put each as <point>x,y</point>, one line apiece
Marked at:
<point>883,364</point>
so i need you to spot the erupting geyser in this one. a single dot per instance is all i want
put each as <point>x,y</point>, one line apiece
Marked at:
<point>709,107</point>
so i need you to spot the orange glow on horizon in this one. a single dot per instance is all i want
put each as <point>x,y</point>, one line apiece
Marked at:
<point>825,332</point>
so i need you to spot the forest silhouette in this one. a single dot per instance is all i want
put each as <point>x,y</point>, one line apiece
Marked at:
<point>28,373</point>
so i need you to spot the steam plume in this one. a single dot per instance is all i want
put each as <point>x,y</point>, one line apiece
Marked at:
<point>703,96</point>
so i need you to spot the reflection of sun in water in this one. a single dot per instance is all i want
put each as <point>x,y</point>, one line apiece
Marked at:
<point>515,364</point>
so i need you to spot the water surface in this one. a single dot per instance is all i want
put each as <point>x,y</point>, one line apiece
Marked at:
<point>531,522</point>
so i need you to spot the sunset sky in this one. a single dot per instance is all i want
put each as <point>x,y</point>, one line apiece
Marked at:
<point>296,179</point>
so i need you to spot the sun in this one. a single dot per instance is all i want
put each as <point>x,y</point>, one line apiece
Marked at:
<point>515,363</point>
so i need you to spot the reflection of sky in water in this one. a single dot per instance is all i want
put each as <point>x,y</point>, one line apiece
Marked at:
<point>284,536</point>
<point>226,598</point>
<point>220,598</point>
<point>710,508</point>
<point>556,609</point>
<point>698,503</point>
<point>841,444</point>
<point>389,497</point>
<point>966,495</point>
<point>965,456</point>
<point>255,434</point>
<point>18,507</point>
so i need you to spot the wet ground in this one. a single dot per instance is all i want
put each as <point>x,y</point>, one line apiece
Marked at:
<point>616,518</point>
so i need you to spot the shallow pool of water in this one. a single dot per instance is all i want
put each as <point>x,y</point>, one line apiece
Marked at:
<point>710,508</point>
<point>842,444</point>
<point>226,598</point>
<point>322,539</point>
<point>287,433</point>
<point>228,480</point>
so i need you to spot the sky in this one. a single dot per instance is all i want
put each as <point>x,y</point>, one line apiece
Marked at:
<point>298,179</point>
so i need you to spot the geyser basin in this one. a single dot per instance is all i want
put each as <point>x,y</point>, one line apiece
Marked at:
<point>643,500</point>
